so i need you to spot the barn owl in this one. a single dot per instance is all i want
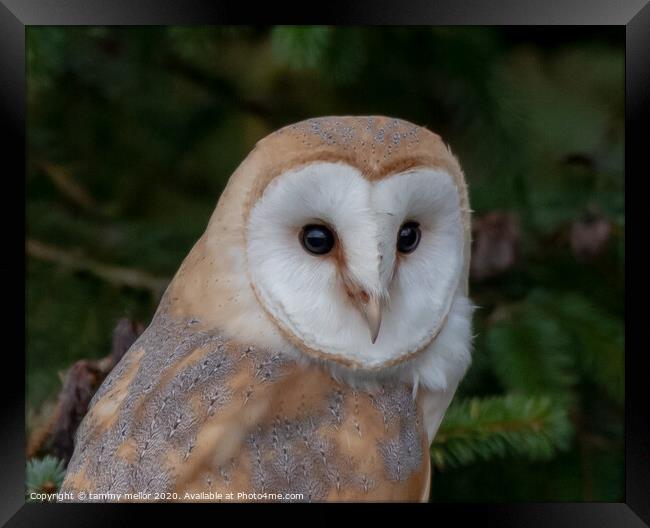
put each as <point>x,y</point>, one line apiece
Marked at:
<point>313,338</point>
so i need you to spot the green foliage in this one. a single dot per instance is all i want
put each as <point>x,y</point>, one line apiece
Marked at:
<point>474,429</point>
<point>143,127</point>
<point>45,57</point>
<point>302,47</point>
<point>44,475</point>
<point>595,339</point>
<point>548,341</point>
<point>340,53</point>
<point>529,350</point>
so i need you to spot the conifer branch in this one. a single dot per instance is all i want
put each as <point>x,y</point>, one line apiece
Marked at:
<point>534,427</point>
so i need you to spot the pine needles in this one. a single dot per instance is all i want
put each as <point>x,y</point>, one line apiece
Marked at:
<point>44,475</point>
<point>517,426</point>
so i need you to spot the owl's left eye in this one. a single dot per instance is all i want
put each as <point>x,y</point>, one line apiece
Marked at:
<point>408,237</point>
<point>317,239</point>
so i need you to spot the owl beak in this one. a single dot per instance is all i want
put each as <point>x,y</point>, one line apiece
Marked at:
<point>372,313</point>
<point>368,305</point>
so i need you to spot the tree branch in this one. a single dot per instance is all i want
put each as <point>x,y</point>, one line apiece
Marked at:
<point>116,275</point>
<point>67,185</point>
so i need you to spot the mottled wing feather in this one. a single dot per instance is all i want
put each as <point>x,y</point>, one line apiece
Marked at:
<point>187,412</point>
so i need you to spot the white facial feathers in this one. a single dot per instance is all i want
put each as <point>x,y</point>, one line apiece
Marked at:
<point>310,297</point>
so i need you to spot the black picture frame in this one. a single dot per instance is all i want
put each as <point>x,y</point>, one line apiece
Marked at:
<point>15,15</point>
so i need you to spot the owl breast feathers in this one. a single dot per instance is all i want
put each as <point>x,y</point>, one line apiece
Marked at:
<point>312,340</point>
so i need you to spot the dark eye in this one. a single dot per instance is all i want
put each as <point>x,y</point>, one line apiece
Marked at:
<point>317,239</point>
<point>408,237</point>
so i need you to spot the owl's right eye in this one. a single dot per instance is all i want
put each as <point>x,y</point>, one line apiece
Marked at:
<point>317,239</point>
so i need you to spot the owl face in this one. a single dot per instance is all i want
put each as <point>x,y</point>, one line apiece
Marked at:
<point>357,270</point>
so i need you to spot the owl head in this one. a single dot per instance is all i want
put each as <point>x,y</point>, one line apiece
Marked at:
<point>347,237</point>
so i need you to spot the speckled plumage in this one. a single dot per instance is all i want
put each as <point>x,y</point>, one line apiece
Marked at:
<point>266,424</point>
<point>218,395</point>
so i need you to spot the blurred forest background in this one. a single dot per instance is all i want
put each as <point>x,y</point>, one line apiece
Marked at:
<point>133,133</point>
